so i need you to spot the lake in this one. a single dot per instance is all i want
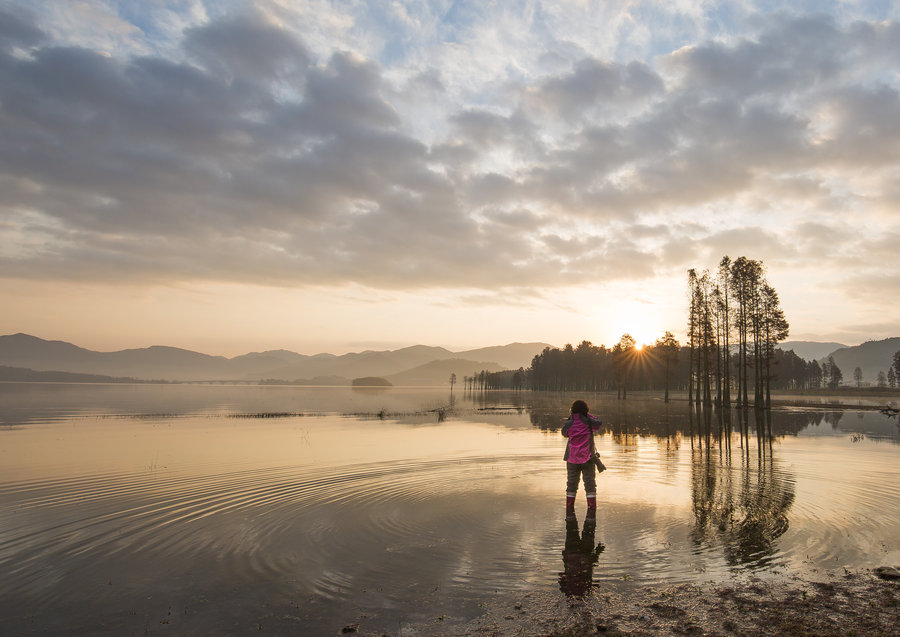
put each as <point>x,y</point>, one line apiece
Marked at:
<point>231,509</point>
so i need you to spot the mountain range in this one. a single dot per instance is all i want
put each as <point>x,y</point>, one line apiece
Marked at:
<point>417,365</point>
<point>811,350</point>
<point>871,357</point>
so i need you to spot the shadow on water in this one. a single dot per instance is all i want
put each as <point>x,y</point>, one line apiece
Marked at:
<point>580,556</point>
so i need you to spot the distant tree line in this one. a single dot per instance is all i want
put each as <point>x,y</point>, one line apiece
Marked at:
<point>591,368</point>
<point>506,379</point>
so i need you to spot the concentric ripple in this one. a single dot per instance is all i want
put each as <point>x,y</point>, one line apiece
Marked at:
<point>122,517</point>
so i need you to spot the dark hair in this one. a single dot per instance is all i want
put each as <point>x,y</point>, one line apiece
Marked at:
<point>580,407</point>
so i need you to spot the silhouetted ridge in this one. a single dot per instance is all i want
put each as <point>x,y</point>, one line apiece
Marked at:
<point>173,363</point>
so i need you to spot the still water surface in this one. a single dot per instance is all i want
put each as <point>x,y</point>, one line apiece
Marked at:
<point>209,509</point>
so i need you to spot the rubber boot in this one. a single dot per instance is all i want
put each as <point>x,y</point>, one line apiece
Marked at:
<point>592,504</point>
<point>570,504</point>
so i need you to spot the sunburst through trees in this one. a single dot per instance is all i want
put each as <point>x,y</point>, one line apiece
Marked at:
<point>734,324</point>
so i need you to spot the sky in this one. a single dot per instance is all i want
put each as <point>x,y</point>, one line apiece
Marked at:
<point>334,176</point>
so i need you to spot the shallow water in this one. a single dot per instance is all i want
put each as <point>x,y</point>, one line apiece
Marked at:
<point>212,509</point>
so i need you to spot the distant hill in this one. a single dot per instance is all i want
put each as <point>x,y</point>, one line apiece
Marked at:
<point>810,350</point>
<point>22,350</point>
<point>321,381</point>
<point>871,357</point>
<point>368,363</point>
<point>170,363</point>
<point>438,372</point>
<point>20,374</point>
<point>512,356</point>
<point>36,358</point>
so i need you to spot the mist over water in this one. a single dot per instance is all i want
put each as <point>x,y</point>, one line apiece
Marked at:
<point>127,509</point>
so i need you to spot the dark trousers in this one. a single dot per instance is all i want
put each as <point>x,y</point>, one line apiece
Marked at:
<point>574,473</point>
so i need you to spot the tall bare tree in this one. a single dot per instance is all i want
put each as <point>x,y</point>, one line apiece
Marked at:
<point>724,277</point>
<point>745,276</point>
<point>693,322</point>
<point>775,329</point>
<point>623,360</point>
<point>708,334</point>
<point>703,334</point>
<point>832,374</point>
<point>895,365</point>
<point>667,347</point>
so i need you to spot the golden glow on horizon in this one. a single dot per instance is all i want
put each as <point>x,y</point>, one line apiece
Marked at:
<point>231,319</point>
<point>645,322</point>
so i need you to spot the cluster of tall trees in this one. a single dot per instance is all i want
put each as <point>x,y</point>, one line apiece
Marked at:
<point>832,376</point>
<point>892,378</point>
<point>733,311</point>
<point>734,324</point>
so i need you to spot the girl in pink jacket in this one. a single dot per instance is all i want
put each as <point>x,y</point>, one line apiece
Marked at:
<point>579,429</point>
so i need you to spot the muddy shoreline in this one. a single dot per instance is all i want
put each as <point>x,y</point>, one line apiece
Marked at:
<point>834,604</point>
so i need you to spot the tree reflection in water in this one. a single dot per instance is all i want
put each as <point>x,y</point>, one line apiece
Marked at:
<point>740,498</point>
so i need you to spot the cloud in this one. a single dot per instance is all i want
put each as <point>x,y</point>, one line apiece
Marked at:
<point>865,126</point>
<point>790,56</point>
<point>17,29</point>
<point>482,128</point>
<point>247,47</point>
<point>596,84</point>
<point>250,153</point>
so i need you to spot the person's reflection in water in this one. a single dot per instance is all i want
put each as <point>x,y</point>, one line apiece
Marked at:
<point>579,557</point>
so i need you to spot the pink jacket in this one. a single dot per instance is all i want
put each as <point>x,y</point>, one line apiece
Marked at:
<point>579,433</point>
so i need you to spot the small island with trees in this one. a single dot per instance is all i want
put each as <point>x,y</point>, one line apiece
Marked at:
<point>371,381</point>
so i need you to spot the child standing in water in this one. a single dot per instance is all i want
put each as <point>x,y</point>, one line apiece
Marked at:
<point>579,429</point>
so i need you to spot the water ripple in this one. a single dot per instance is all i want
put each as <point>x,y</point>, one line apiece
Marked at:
<point>54,521</point>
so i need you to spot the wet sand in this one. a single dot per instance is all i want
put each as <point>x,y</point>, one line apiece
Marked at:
<point>834,604</point>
